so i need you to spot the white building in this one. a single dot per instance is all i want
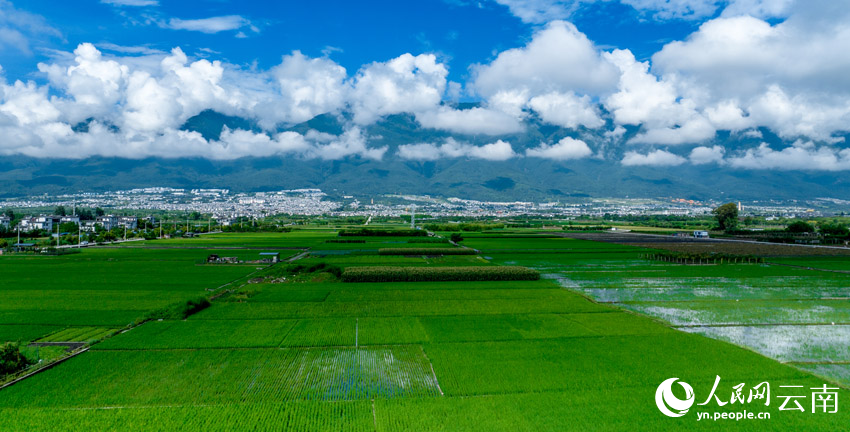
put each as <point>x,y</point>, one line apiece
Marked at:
<point>5,221</point>
<point>107,222</point>
<point>39,223</point>
<point>129,222</point>
<point>70,219</point>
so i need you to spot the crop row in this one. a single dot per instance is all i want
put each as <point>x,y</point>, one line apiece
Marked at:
<point>78,334</point>
<point>24,333</point>
<point>247,311</point>
<point>429,240</point>
<point>482,368</point>
<point>425,251</point>
<point>269,333</point>
<point>361,294</point>
<point>128,269</point>
<point>758,249</point>
<point>424,274</point>
<point>382,233</point>
<point>63,318</point>
<point>702,258</point>
<point>201,334</point>
<point>175,377</point>
<point>416,286</point>
<point>322,332</point>
<point>70,300</point>
<point>455,227</point>
<point>353,416</point>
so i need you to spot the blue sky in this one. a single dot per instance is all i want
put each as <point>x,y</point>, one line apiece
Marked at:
<point>352,33</point>
<point>676,73</point>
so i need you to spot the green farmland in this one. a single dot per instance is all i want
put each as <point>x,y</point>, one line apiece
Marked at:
<point>294,347</point>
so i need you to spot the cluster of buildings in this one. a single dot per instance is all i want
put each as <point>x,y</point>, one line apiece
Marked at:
<point>227,207</point>
<point>221,203</point>
<point>50,223</point>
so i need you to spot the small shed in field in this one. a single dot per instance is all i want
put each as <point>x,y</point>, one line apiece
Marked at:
<point>24,247</point>
<point>271,257</point>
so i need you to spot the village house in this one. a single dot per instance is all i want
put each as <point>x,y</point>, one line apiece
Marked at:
<point>41,222</point>
<point>129,222</point>
<point>107,222</point>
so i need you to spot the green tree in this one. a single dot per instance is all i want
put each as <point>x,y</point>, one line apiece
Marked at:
<point>835,229</point>
<point>68,227</point>
<point>98,211</point>
<point>727,216</point>
<point>11,359</point>
<point>10,214</point>
<point>800,227</point>
<point>60,211</point>
<point>456,237</point>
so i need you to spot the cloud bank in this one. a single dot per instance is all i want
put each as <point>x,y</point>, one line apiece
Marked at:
<point>737,73</point>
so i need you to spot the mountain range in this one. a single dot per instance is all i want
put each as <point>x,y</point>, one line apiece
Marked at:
<point>518,178</point>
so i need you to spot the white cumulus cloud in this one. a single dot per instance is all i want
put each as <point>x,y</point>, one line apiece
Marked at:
<point>542,11</point>
<point>803,155</point>
<point>704,155</point>
<point>303,88</point>
<point>406,83</point>
<point>790,76</point>
<point>737,72</point>
<point>472,121</point>
<point>566,149</point>
<point>558,58</point>
<point>567,110</point>
<point>657,158</point>
<point>675,9</point>
<point>451,148</point>
<point>655,104</point>
<point>210,25</point>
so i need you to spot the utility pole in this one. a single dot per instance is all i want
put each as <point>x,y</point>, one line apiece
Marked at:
<point>57,235</point>
<point>80,234</point>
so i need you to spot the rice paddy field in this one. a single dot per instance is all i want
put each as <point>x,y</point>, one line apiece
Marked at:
<point>583,348</point>
<point>791,308</point>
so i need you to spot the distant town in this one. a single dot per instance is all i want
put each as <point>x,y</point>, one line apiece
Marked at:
<point>125,208</point>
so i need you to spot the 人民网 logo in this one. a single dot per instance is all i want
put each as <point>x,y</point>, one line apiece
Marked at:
<point>668,403</point>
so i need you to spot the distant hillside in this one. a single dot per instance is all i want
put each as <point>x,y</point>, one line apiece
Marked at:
<point>516,179</point>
